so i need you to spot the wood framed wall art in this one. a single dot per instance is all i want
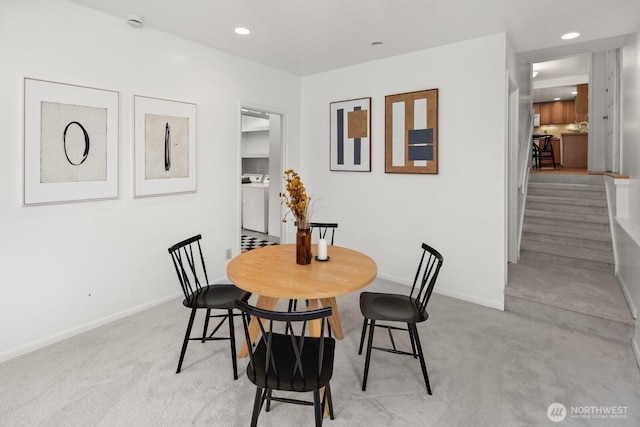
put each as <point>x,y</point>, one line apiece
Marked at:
<point>350,141</point>
<point>411,132</point>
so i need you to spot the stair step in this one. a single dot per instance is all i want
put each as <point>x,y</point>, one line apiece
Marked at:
<point>559,218</point>
<point>565,261</point>
<point>601,245</point>
<point>568,201</point>
<point>605,328</point>
<point>560,207</point>
<point>567,178</point>
<point>582,253</point>
<point>590,301</point>
<point>562,230</point>
<point>576,191</point>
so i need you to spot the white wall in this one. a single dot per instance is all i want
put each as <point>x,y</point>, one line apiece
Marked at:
<point>461,210</point>
<point>629,238</point>
<point>68,267</point>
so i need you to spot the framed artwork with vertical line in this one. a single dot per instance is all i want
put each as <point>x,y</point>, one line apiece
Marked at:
<point>165,146</point>
<point>350,142</point>
<point>411,132</point>
<point>70,142</point>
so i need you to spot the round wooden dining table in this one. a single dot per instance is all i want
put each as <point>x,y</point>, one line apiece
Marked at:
<point>271,273</point>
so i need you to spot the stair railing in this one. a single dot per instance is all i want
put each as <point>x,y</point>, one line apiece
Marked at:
<point>524,166</point>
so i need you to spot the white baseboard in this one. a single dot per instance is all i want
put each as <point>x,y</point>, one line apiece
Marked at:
<point>498,305</point>
<point>35,345</point>
<point>627,296</point>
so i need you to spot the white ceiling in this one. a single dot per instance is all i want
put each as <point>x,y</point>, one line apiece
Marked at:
<point>558,78</point>
<point>310,36</point>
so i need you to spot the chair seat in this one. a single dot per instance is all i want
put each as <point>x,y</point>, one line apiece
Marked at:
<point>215,297</point>
<point>286,378</point>
<point>390,307</point>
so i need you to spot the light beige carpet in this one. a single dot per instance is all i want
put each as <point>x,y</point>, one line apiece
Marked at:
<point>487,368</point>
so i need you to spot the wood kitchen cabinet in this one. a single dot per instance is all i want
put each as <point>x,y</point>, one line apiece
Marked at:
<point>575,150</point>
<point>582,99</point>
<point>557,113</point>
<point>569,111</point>
<point>545,113</point>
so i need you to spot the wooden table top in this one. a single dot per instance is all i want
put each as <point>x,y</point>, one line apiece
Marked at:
<point>272,271</point>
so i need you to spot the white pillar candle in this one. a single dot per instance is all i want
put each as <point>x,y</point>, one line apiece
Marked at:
<point>322,249</point>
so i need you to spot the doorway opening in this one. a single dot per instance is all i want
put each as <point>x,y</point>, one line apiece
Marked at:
<point>561,112</point>
<point>261,159</point>
<point>576,101</point>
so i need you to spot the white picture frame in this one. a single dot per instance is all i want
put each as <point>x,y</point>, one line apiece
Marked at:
<point>70,143</point>
<point>165,146</point>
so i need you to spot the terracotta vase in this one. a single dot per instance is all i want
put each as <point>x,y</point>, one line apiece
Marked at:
<point>303,246</point>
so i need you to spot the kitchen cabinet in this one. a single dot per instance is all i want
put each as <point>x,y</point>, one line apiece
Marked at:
<point>545,113</point>
<point>569,111</point>
<point>582,99</point>
<point>575,150</point>
<point>557,113</point>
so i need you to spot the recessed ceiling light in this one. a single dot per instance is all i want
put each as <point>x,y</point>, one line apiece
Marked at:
<point>242,31</point>
<point>570,36</point>
<point>575,92</point>
<point>556,99</point>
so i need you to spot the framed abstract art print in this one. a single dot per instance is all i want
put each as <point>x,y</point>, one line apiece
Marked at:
<point>165,146</point>
<point>411,132</point>
<point>70,142</point>
<point>350,141</point>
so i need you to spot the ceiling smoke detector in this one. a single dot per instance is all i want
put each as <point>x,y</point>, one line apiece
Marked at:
<point>134,20</point>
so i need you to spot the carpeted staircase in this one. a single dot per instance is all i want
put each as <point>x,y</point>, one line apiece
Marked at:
<point>566,272</point>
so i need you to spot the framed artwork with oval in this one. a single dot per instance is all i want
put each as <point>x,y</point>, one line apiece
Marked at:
<point>70,142</point>
<point>165,146</point>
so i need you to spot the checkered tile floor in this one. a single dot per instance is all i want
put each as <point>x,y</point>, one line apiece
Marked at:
<point>247,243</point>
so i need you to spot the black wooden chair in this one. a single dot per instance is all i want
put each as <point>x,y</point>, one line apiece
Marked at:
<point>396,308</point>
<point>543,150</point>
<point>323,228</point>
<point>200,295</point>
<point>286,359</point>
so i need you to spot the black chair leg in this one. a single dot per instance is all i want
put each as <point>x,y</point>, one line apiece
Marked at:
<point>232,336</point>
<point>372,328</point>
<point>257,404</point>
<point>327,396</point>
<point>186,339</point>
<point>317,407</point>
<point>364,333</point>
<point>269,393</point>
<point>206,324</point>
<point>413,344</point>
<point>414,330</point>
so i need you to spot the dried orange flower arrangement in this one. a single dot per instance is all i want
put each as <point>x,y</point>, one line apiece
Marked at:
<point>297,201</point>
